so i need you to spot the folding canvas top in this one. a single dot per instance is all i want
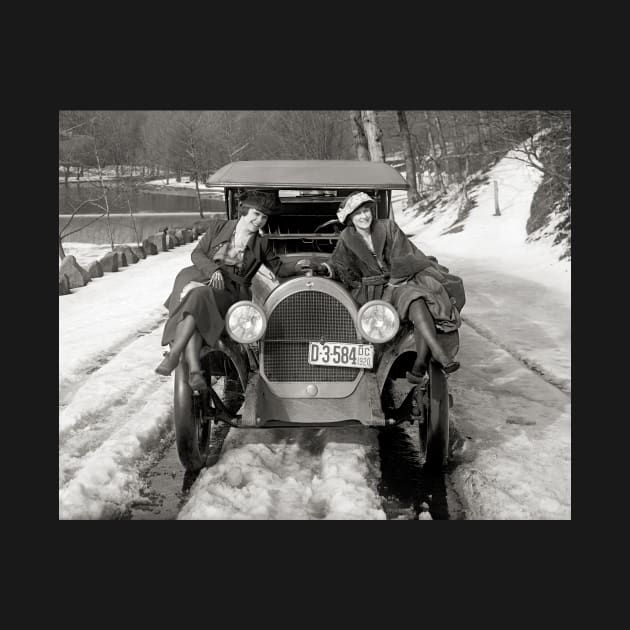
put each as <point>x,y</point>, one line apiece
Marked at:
<point>346,174</point>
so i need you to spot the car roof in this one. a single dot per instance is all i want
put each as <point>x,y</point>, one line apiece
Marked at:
<point>309,174</point>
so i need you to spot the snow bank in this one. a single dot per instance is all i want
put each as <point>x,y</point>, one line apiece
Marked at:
<point>290,475</point>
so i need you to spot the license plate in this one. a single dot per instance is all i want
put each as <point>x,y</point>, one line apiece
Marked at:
<point>355,355</point>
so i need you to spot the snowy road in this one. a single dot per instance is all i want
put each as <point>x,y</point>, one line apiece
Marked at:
<point>116,435</point>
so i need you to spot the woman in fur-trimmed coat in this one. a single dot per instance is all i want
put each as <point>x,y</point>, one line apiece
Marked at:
<point>225,261</point>
<point>375,260</point>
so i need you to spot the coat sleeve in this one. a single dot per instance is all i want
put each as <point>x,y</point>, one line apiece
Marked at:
<point>342,266</point>
<point>201,254</point>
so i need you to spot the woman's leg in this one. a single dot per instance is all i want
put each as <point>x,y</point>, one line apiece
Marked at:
<point>183,333</point>
<point>425,327</point>
<point>422,350</point>
<point>185,330</point>
<point>193,348</point>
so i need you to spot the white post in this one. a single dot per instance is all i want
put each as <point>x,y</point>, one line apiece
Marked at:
<point>497,212</point>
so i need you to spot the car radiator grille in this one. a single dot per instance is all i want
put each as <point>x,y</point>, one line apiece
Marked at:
<point>300,318</point>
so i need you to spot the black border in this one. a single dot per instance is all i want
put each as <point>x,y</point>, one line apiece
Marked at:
<point>226,78</point>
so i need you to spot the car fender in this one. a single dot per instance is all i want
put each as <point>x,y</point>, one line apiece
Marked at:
<point>405,343</point>
<point>238,355</point>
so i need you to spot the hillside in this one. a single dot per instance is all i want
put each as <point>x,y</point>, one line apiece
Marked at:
<point>533,194</point>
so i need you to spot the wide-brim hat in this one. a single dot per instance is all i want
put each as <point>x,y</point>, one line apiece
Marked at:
<point>351,203</point>
<point>408,265</point>
<point>264,201</point>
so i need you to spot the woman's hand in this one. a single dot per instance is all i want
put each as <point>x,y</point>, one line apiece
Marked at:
<point>216,280</point>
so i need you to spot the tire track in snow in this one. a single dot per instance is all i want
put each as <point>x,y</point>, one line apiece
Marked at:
<point>107,400</point>
<point>69,386</point>
<point>563,385</point>
<point>107,480</point>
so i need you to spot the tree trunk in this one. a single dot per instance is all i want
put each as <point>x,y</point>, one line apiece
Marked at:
<point>360,142</point>
<point>103,189</point>
<point>460,140</point>
<point>443,148</point>
<point>62,253</point>
<point>133,220</point>
<point>374,135</point>
<point>482,129</point>
<point>198,197</point>
<point>432,153</point>
<point>67,175</point>
<point>410,167</point>
<point>466,173</point>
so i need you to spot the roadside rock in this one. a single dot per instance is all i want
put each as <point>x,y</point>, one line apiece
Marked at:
<point>109,262</point>
<point>75,273</point>
<point>64,284</point>
<point>95,269</point>
<point>159,240</point>
<point>132,259</point>
<point>138,250</point>
<point>149,247</point>
<point>122,258</point>
<point>184,235</point>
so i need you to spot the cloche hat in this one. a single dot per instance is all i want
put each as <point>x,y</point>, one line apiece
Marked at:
<point>264,201</point>
<point>351,203</point>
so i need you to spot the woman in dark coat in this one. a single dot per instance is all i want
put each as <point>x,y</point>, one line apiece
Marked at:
<point>224,262</point>
<point>376,260</point>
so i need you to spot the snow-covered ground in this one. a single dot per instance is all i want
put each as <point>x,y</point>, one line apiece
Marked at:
<point>186,183</point>
<point>514,451</point>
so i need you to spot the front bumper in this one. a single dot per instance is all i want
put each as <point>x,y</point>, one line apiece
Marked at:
<point>263,408</point>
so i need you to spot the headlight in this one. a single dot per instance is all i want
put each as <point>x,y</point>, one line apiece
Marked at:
<point>378,321</point>
<point>245,322</point>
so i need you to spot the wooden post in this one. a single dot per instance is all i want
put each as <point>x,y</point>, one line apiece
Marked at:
<point>497,212</point>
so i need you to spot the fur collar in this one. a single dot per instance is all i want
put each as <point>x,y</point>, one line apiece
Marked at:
<point>356,243</point>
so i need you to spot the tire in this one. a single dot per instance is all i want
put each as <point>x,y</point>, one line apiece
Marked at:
<point>434,430</point>
<point>192,430</point>
<point>194,415</point>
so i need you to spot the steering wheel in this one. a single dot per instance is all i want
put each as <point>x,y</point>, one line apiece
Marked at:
<point>332,222</point>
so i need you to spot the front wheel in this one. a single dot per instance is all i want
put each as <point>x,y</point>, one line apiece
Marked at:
<point>434,402</point>
<point>192,428</point>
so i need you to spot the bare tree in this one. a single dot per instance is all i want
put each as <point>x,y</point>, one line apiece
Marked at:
<point>374,135</point>
<point>65,231</point>
<point>433,153</point>
<point>358,134</point>
<point>191,146</point>
<point>410,166</point>
<point>103,188</point>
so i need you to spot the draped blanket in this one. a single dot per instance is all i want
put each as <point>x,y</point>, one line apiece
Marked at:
<point>359,270</point>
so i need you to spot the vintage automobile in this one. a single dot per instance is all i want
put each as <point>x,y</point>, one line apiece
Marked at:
<point>302,352</point>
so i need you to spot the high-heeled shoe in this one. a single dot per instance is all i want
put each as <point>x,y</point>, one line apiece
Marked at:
<point>450,367</point>
<point>168,364</point>
<point>197,381</point>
